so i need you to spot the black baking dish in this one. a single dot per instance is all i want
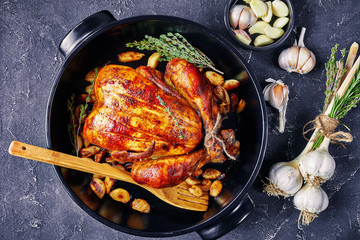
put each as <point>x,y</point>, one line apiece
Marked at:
<point>97,41</point>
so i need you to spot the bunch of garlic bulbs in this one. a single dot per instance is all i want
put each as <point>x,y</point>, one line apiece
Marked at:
<point>315,165</point>
<point>312,167</point>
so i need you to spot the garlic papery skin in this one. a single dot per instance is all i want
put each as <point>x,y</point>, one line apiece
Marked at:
<point>234,15</point>
<point>284,179</point>
<point>317,166</point>
<point>277,95</point>
<point>241,16</point>
<point>310,200</point>
<point>297,58</point>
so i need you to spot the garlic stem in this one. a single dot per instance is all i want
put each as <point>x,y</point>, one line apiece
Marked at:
<point>325,144</point>
<point>351,58</point>
<point>301,38</point>
<point>282,118</point>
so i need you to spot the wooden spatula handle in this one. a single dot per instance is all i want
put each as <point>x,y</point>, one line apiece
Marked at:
<point>65,160</point>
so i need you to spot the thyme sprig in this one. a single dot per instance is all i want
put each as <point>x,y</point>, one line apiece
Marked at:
<point>167,109</point>
<point>332,77</point>
<point>74,126</point>
<point>174,45</point>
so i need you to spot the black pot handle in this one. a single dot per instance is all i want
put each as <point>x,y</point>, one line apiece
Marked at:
<point>85,29</point>
<point>229,221</point>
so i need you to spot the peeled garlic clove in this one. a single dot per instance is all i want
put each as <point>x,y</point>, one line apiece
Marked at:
<point>258,27</point>
<point>259,8</point>
<point>272,32</point>
<point>262,40</point>
<point>242,36</point>
<point>281,22</point>
<point>234,15</point>
<point>288,58</point>
<point>269,14</point>
<point>279,8</point>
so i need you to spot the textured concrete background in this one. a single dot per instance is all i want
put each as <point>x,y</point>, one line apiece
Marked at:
<point>33,203</point>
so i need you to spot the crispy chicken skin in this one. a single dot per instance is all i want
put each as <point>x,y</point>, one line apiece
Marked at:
<point>197,90</point>
<point>131,113</point>
<point>167,171</point>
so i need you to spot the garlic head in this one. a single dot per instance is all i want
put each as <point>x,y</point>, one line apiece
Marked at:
<point>285,179</point>
<point>297,58</point>
<point>310,200</point>
<point>317,166</point>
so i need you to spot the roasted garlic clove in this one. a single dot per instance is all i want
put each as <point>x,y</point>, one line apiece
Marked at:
<point>130,56</point>
<point>215,78</point>
<point>211,173</point>
<point>192,181</point>
<point>216,188</point>
<point>98,187</point>
<point>120,195</point>
<point>196,191</point>
<point>140,205</point>
<point>231,84</point>
<point>109,183</point>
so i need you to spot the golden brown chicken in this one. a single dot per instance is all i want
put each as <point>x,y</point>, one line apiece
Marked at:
<point>156,123</point>
<point>131,113</point>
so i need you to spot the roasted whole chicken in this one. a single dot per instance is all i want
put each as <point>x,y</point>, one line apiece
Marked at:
<point>166,125</point>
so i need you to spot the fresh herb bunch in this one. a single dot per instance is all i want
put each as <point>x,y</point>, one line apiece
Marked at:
<point>342,105</point>
<point>333,77</point>
<point>74,126</point>
<point>350,99</point>
<point>174,45</point>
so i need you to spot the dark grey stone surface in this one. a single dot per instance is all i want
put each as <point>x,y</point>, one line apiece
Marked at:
<point>33,203</point>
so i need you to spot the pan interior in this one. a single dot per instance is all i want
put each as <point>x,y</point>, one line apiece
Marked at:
<point>163,219</point>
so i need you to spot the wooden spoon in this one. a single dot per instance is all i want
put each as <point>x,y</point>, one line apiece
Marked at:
<point>178,196</point>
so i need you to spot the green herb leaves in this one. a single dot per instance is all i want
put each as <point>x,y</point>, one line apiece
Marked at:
<point>162,103</point>
<point>174,45</point>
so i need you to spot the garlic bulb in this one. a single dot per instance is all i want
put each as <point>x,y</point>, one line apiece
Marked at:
<point>277,95</point>
<point>297,58</point>
<point>317,166</point>
<point>310,200</point>
<point>241,16</point>
<point>284,179</point>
